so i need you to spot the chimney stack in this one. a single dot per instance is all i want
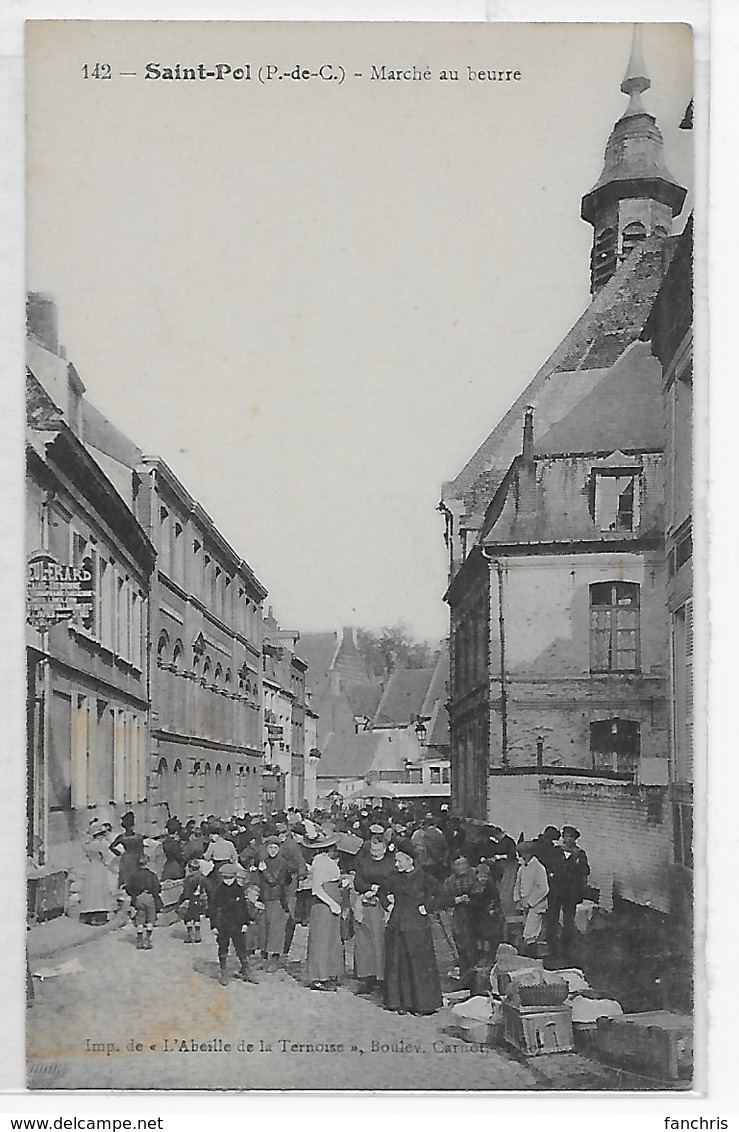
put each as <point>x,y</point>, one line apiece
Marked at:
<point>528,435</point>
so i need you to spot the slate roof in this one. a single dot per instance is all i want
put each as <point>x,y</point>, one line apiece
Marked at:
<point>317,650</point>
<point>348,756</point>
<point>403,697</point>
<point>364,699</point>
<point>623,412</point>
<point>613,320</point>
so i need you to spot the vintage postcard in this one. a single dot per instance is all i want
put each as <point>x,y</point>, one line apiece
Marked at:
<point>359,543</point>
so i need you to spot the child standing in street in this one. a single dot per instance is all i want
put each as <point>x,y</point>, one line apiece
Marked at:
<point>231,914</point>
<point>145,891</point>
<point>193,902</point>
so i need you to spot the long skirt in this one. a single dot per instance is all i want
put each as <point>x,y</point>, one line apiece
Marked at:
<point>173,869</point>
<point>96,895</point>
<point>369,943</point>
<point>325,950</point>
<point>272,938</point>
<point>411,976</point>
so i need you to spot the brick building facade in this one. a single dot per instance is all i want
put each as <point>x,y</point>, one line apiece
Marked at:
<point>560,641</point>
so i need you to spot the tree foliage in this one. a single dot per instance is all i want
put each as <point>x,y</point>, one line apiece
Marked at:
<point>393,647</point>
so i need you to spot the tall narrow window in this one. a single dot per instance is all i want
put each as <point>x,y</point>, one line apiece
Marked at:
<point>614,627</point>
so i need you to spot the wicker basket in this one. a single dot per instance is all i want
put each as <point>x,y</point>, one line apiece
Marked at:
<point>544,994</point>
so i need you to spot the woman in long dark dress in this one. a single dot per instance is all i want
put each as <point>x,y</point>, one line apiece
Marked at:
<point>128,846</point>
<point>411,975</point>
<point>172,847</point>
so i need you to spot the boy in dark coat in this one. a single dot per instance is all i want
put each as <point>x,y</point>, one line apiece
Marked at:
<point>145,891</point>
<point>230,914</point>
<point>193,901</point>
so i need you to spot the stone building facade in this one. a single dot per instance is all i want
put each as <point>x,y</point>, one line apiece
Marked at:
<point>284,738</point>
<point>88,700</point>
<point>670,329</point>
<point>560,644</point>
<point>206,682</point>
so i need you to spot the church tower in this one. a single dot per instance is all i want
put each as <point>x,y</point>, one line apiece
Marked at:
<point>636,196</point>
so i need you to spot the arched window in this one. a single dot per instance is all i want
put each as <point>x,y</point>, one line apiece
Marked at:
<point>227,680</point>
<point>164,783</point>
<point>207,669</point>
<point>632,235</point>
<point>603,259</point>
<point>177,653</point>
<point>218,676</point>
<point>614,627</point>
<point>178,800</point>
<point>162,649</point>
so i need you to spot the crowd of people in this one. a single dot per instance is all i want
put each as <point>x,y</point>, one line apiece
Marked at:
<point>396,882</point>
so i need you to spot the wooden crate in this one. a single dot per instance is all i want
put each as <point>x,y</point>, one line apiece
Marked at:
<point>656,1043</point>
<point>534,1031</point>
<point>46,895</point>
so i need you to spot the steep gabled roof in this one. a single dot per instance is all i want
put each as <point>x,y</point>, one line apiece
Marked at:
<point>613,320</point>
<point>364,698</point>
<point>623,412</point>
<point>318,650</point>
<point>403,697</point>
<point>348,756</point>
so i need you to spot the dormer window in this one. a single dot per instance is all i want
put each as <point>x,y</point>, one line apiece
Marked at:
<point>616,500</point>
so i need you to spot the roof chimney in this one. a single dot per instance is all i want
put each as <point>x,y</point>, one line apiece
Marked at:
<point>42,320</point>
<point>528,435</point>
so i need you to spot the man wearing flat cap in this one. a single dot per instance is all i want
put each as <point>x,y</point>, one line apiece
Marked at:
<point>230,915</point>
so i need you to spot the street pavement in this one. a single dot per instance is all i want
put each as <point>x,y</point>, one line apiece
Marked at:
<point>119,1018</point>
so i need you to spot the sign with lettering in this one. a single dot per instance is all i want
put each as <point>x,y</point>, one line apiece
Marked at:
<point>56,592</point>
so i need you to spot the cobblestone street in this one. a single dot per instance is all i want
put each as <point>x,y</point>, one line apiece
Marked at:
<point>130,1019</point>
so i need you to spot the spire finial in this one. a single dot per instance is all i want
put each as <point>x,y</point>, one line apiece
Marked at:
<point>636,80</point>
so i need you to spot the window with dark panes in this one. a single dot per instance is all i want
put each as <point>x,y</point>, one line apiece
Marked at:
<point>614,627</point>
<point>615,745</point>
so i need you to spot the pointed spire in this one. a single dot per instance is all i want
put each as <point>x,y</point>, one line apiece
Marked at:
<point>636,80</point>
<point>634,171</point>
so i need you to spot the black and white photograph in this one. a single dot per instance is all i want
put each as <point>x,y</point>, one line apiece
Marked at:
<point>359,557</point>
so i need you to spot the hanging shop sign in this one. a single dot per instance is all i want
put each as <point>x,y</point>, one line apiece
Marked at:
<point>56,592</point>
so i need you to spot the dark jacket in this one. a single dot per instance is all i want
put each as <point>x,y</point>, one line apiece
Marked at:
<point>193,889</point>
<point>229,908</point>
<point>551,856</point>
<point>274,879</point>
<point>571,875</point>
<point>411,890</point>
<point>368,871</point>
<point>144,880</point>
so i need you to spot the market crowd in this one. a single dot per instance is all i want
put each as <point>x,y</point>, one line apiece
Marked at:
<point>408,888</point>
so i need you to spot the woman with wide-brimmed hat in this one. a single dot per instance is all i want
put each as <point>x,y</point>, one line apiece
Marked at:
<point>325,949</point>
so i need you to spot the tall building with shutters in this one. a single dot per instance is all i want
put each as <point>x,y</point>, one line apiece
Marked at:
<point>88,672</point>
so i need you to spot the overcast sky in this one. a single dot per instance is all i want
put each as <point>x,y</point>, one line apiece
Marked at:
<point>315,299</point>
